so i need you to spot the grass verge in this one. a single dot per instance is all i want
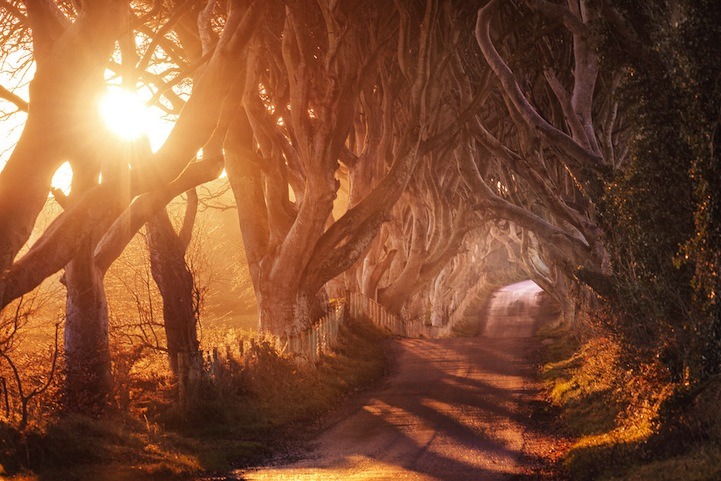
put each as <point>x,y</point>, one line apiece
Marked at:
<point>620,418</point>
<point>253,406</point>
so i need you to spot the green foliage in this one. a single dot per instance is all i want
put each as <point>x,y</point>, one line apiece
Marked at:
<point>610,410</point>
<point>703,464</point>
<point>662,212</point>
<point>629,422</point>
<point>698,50</point>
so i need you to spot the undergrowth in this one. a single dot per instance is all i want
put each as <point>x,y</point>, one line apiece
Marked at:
<point>238,416</point>
<point>629,422</point>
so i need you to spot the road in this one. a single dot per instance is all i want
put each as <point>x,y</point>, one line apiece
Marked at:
<point>450,410</point>
<point>511,310</point>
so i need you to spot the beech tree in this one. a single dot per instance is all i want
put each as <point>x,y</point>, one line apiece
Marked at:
<point>587,197</point>
<point>72,52</point>
<point>195,39</point>
<point>449,99</point>
<point>543,149</point>
<point>301,101</point>
<point>478,268</point>
<point>431,226</point>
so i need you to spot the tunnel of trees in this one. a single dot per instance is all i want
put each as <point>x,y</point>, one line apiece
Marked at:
<point>409,150</point>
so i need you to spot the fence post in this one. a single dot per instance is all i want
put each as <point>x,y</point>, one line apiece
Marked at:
<point>183,379</point>
<point>291,343</point>
<point>313,344</point>
<point>321,338</point>
<point>314,336</point>
<point>304,344</point>
<point>214,365</point>
<point>326,325</point>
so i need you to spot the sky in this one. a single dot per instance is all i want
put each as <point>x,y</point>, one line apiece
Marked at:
<point>11,122</point>
<point>124,112</point>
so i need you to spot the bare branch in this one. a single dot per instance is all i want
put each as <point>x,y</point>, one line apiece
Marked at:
<point>576,154</point>
<point>6,94</point>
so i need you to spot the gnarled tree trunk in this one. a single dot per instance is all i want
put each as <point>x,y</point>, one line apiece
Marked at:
<point>88,376</point>
<point>175,283</point>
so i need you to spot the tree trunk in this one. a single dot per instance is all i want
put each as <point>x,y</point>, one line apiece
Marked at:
<point>70,62</point>
<point>88,381</point>
<point>439,305</point>
<point>175,282</point>
<point>285,311</point>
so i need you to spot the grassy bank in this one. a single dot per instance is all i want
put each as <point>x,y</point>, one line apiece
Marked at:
<point>629,423</point>
<point>253,405</point>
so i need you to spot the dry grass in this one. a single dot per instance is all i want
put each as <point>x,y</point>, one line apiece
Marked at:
<point>610,409</point>
<point>250,403</point>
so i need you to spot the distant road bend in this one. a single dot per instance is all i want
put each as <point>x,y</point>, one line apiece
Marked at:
<point>450,410</point>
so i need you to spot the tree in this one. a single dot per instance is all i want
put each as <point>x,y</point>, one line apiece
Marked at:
<point>175,280</point>
<point>71,55</point>
<point>300,103</point>
<point>542,151</point>
<point>700,38</point>
<point>431,228</point>
<point>664,208</point>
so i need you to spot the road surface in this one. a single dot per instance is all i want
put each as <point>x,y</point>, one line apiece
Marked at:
<point>450,410</point>
<point>511,311</point>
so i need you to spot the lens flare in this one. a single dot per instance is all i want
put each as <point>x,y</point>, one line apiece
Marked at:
<point>125,114</point>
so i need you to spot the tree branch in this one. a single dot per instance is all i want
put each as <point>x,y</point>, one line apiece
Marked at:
<point>6,94</point>
<point>147,205</point>
<point>575,153</point>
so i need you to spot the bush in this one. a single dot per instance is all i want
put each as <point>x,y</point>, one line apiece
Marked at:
<point>611,408</point>
<point>246,402</point>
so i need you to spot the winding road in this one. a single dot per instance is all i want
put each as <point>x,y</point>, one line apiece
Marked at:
<point>451,410</point>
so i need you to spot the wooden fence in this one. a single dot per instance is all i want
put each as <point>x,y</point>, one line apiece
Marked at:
<point>320,338</point>
<point>361,306</point>
<point>307,346</point>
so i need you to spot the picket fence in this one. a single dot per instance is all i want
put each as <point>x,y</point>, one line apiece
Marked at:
<point>360,306</point>
<point>306,346</point>
<point>322,337</point>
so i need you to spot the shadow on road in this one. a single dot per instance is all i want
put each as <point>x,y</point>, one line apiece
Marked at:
<point>450,410</point>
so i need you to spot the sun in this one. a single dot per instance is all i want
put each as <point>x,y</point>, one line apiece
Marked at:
<point>125,114</point>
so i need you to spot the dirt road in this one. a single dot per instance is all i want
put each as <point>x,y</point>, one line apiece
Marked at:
<point>449,411</point>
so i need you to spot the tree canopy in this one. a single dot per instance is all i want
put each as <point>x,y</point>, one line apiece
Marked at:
<point>390,148</point>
